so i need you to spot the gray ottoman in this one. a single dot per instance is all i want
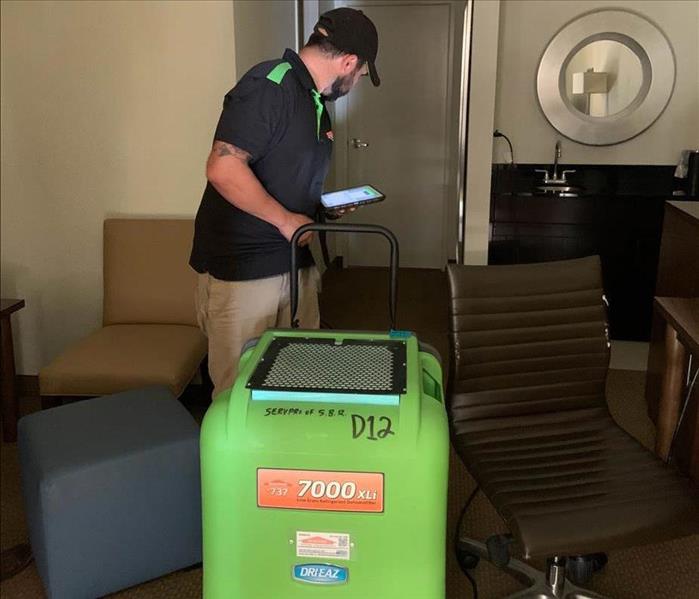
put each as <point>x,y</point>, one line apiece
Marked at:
<point>111,491</point>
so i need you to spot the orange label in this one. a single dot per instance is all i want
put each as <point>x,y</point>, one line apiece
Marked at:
<point>320,490</point>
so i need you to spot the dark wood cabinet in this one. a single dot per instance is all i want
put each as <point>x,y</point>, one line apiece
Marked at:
<point>678,276</point>
<point>624,230</point>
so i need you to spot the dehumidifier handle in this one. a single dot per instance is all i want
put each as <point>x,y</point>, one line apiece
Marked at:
<point>340,228</point>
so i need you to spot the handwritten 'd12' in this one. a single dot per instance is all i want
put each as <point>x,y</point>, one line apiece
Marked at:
<point>370,427</point>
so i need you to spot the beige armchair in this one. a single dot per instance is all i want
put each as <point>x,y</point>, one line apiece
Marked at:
<point>149,331</point>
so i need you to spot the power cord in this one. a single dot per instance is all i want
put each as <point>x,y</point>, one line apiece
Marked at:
<point>497,133</point>
<point>466,561</point>
<point>472,580</point>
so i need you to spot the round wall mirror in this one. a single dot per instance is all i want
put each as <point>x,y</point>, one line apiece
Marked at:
<point>605,77</point>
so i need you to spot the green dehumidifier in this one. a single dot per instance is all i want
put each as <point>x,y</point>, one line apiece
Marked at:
<point>324,468</point>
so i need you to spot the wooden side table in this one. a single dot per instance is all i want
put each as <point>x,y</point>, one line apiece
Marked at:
<point>9,392</point>
<point>681,316</point>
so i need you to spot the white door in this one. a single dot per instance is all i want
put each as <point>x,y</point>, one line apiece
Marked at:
<point>409,125</point>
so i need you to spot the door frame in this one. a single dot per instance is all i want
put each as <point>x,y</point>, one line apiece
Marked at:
<point>453,225</point>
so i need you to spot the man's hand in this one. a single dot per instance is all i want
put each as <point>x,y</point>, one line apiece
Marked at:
<point>293,221</point>
<point>339,212</point>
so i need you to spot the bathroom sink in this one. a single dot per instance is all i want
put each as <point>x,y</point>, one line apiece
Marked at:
<point>563,190</point>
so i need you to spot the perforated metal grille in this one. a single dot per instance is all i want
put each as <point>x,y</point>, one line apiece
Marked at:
<point>350,366</point>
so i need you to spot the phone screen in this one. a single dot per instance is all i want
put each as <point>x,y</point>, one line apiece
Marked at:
<point>352,196</point>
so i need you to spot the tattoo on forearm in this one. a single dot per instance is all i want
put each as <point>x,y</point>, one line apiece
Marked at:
<point>225,149</point>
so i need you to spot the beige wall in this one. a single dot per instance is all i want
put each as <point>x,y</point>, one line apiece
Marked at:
<point>108,108</point>
<point>526,26</point>
<point>278,17</point>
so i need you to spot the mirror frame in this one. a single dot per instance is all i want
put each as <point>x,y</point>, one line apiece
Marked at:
<point>644,39</point>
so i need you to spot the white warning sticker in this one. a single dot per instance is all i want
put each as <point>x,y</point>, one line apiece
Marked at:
<point>322,544</point>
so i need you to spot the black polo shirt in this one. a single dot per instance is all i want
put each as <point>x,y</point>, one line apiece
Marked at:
<point>271,114</point>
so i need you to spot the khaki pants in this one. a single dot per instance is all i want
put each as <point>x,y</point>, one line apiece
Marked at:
<point>232,312</point>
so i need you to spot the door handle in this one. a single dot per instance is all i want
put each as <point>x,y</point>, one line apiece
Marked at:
<point>359,144</point>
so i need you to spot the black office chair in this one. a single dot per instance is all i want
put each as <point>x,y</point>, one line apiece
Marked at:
<point>529,418</point>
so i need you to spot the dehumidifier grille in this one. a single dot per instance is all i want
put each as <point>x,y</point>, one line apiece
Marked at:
<point>332,366</point>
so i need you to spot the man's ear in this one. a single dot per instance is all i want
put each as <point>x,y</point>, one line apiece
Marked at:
<point>348,63</point>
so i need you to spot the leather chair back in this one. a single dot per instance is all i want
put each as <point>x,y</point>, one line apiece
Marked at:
<point>526,340</point>
<point>147,277</point>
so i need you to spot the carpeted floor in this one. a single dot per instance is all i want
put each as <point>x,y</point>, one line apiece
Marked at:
<point>356,299</point>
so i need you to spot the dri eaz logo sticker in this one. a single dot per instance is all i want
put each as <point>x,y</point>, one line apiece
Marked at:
<point>320,573</point>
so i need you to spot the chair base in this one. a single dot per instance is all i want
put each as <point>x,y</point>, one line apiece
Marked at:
<point>551,585</point>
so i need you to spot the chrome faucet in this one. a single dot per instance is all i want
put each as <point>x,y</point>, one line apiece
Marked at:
<point>556,158</point>
<point>554,180</point>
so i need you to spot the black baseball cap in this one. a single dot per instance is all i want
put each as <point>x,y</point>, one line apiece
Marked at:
<point>351,31</point>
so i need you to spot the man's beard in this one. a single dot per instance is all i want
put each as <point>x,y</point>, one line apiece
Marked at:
<point>340,87</point>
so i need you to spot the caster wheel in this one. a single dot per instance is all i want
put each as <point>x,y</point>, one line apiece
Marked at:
<point>580,568</point>
<point>466,559</point>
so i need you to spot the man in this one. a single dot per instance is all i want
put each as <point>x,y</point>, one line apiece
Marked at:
<point>265,172</point>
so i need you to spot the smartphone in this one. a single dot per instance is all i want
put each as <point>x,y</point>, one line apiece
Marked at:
<point>354,196</point>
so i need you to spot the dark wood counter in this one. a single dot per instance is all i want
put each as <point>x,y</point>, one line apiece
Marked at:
<point>624,230</point>
<point>678,288</point>
<point>681,315</point>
